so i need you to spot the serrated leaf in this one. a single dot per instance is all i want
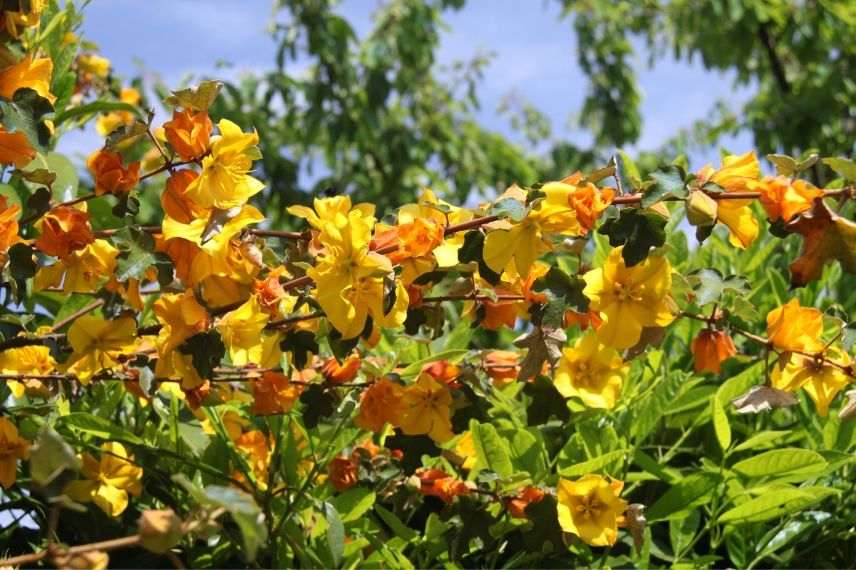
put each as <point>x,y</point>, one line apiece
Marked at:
<point>638,231</point>
<point>136,254</point>
<point>53,462</point>
<point>710,286</point>
<point>24,113</point>
<point>206,350</point>
<point>668,182</point>
<point>509,208</point>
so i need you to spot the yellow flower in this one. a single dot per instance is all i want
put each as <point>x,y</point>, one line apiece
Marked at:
<point>793,327</point>
<point>94,64</point>
<point>590,508</point>
<point>204,251</point>
<point>348,277</point>
<point>736,175</point>
<point>629,298</point>
<point>28,73</point>
<point>242,330</point>
<point>108,481</point>
<point>26,360</point>
<point>98,344</point>
<point>821,379</point>
<point>15,19</point>
<point>426,409</point>
<point>233,422</point>
<point>82,271</point>
<point>182,317</point>
<point>592,372</point>
<point>108,122</point>
<point>525,241</point>
<point>225,182</point>
<point>12,448</point>
<point>466,449</point>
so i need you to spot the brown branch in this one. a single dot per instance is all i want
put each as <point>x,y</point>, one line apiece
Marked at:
<point>75,315</point>
<point>106,545</point>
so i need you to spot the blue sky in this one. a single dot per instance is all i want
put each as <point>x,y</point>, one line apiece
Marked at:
<point>534,57</point>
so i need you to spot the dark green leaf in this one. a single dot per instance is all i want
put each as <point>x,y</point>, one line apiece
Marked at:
<point>638,231</point>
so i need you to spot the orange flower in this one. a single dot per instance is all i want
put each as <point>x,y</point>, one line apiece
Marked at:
<point>525,497</point>
<point>174,199</point>
<point>710,348</point>
<point>15,149</point>
<point>588,201</point>
<point>498,314</point>
<point>195,396</point>
<point>64,229</point>
<point>502,366</point>
<point>8,225</point>
<point>415,239</point>
<point>269,290</point>
<point>785,198</point>
<point>274,394</point>
<point>336,373</point>
<point>582,320</point>
<point>111,176</point>
<point>538,270</point>
<point>438,483</point>
<point>443,371</point>
<point>343,473</point>
<point>189,133</point>
<point>379,404</point>
<point>254,446</point>
<point>792,327</point>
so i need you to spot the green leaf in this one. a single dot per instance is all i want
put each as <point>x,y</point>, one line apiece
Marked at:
<point>96,107</point>
<point>21,263</point>
<point>637,230</point>
<point>240,505</point>
<point>593,465</point>
<point>206,350</point>
<point>398,528</point>
<point>473,250</point>
<point>491,450</point>
<point>565,287</point>
<point>626,173</point>
<point>668,182</point>
<point>709,285</point>
<point>775,503</point>
<point>452,355</point>
<point>785,165</point>
<point>53,462</point>
<point>353,503</point>
<point>136,253</point>
<point>510,208</point>
<point>721,427</point>
<point>335,533</point>
<point>24,113</point>
<point>685,495</point>
<point>546,401</point>
<point>99,427</point>
<point>197,98</point>
<point>66,183</point>
<point>844,167</point>
<point>785,461</point>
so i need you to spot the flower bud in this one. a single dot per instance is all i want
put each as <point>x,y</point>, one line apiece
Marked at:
<point>701,209</point>
<point>159,530</point>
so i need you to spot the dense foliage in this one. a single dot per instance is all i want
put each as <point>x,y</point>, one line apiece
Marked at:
<point>616,368</point>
